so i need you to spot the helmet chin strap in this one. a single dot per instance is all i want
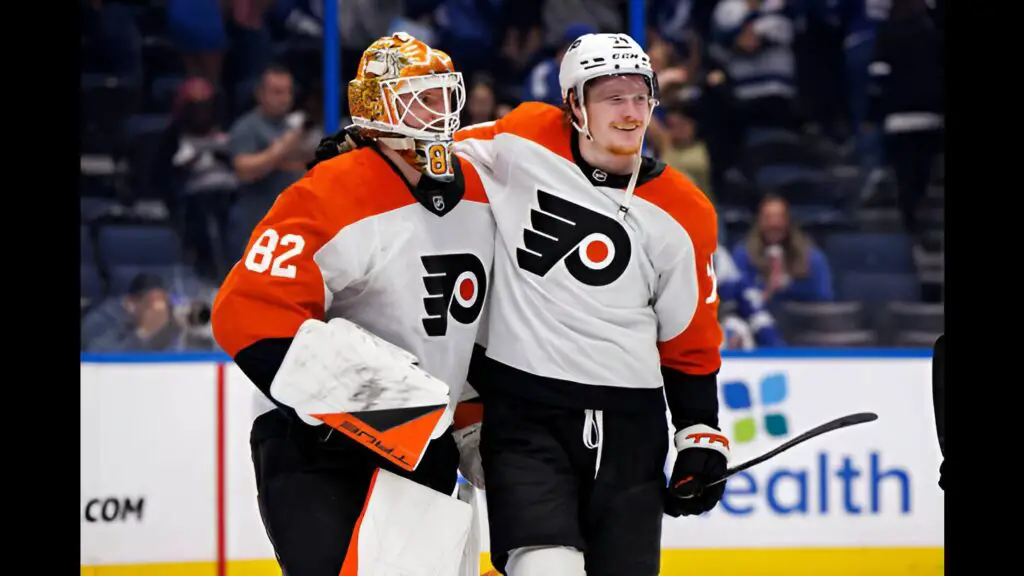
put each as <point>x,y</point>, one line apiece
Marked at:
<point>402,143</point>
<point>585,130</point>
<point>624,207</point>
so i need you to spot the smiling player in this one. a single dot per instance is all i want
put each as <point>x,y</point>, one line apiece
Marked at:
<point>603,305</point>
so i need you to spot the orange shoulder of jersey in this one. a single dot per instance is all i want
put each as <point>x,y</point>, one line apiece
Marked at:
<point>278,285</point>
<point>535,121</point>
<point>697,349</point>
<point>474,186</point>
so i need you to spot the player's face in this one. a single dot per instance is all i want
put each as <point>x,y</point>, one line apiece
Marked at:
<point>421,109</point>
<point>618,111</point>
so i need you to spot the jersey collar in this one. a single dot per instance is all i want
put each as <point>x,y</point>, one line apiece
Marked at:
<point>439,198</point>
<point>649,169</point>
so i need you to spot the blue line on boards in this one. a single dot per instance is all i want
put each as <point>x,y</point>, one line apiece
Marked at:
<point>764,353</point>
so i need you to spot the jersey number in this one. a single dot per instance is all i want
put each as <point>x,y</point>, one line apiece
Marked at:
<point>261,257</point>
<point>437,159</point>
<point>714,283</point>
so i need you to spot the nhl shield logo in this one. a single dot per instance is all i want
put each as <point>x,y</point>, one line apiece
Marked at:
<point>438,203</point>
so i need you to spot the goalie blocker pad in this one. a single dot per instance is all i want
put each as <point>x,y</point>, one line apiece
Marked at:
<point>364,387</point>
<point>408,529</point>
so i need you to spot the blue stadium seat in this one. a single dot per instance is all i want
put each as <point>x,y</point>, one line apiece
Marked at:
<point>178,279</point>
<point>91,207</point>
<point>779,175</point>
<point>87,249</point>
<point>863,252</point>
<point>91,284</point>
<point>764,136</point>
<point>138,245</point>
<point>141,124</point>
<point>878,287</point>
<point>163,90</point>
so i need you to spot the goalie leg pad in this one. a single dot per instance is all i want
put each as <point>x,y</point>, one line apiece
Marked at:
<point>407,529</point>
<point>545,561</point>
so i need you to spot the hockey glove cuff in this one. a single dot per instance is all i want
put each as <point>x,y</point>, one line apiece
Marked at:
<point>468,421</point>
<point>703,458</point>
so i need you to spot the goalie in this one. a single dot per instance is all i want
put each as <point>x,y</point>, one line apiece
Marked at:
<point>355,310</point>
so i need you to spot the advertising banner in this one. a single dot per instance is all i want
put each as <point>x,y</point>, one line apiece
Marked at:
<point>148,450</point>
<point>872,485</point>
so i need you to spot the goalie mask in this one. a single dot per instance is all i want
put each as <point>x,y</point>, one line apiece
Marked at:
<point>409,96</point>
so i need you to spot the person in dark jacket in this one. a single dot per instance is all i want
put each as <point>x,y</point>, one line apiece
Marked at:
<point>906,101</point>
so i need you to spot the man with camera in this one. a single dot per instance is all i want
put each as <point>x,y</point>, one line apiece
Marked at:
<point>270,147</point>
<point>148,319</point>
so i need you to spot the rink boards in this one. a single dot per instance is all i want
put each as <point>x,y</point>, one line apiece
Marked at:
<point>167,476</point>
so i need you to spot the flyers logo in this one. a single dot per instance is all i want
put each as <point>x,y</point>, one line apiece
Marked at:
<point>595,247</point>
<point>456,285</point>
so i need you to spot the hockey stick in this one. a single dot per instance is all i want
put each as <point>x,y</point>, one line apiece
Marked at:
<point>843,422</point>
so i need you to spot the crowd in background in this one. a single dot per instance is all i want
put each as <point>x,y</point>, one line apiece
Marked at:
<point>815,126</point>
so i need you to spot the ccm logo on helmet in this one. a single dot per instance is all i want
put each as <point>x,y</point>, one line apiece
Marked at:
<point>596,248</point>
<point>456,285</point>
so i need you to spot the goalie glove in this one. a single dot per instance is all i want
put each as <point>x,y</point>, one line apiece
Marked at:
<point>703,457</point>
<point>339,367</point>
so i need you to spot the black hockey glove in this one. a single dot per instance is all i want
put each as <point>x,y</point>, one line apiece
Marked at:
<point>941,484</point>
<point>703,457</point>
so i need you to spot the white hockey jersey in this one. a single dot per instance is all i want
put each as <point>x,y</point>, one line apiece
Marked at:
<point>588,310</point>
<point>352,239</point>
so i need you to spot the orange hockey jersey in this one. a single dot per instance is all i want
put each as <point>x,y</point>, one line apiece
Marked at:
<point>589,310</point>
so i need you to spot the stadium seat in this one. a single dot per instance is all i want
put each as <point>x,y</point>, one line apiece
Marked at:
<point>878,287</point>
<point>141,124</point>
<point>178,279</point>
<point>916,339</point>
<point>92,207</point>
<point>821,317</point>
<point>162,92</point>
<point>88,251</point>
<point>845,339</point>
<point>91,283</point>
<point>160,59</point>
<point>916,316</point>
<point>774,176</point>
<point>876,253</point>
<point>894,320</point>
<point>138,245</point>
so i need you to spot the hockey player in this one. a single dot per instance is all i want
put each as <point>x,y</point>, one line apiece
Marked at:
<point>374,264</point>
<point>604,304</point>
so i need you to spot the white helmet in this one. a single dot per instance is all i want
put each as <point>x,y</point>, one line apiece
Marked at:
<point>595,55</point>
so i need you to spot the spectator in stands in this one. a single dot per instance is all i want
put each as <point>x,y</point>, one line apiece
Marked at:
<point>481,101</point>
<point>507,100</point>
<point>683,150</point>
<point>196,28</point>
<point>193,170</point>
<point>745,320</point>
<point>753,40</point>
<point>203,30</point>
<point>522,44</point>
<point>270,150</point>
<point>145,320</point>
<point>781,259</point>
<point>860,20</point>
<point>542,83</point>
<point>468,32</point>
<point>907,101</point>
